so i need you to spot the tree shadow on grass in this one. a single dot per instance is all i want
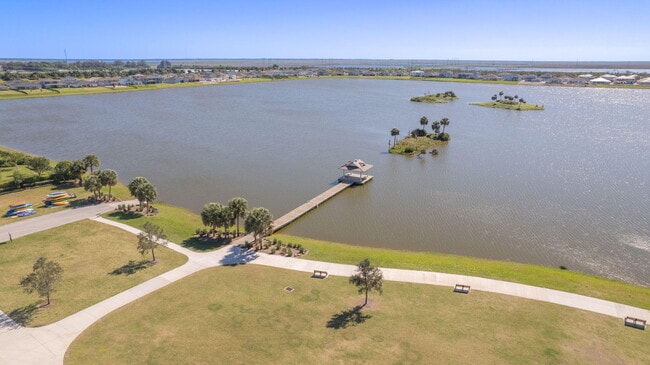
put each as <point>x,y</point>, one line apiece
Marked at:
<point>347,318</point>
<point>205,244</point>
<point>132,267</point>
<point>22,316</point>
<point>238,256</point>
<point>121,215</point>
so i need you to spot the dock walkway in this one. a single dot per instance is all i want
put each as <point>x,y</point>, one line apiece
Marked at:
<point>313,203</point>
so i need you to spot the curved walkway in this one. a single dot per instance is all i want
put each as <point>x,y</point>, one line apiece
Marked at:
<point>48,344</point>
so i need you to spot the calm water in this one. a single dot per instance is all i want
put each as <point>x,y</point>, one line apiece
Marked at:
<point>565,186</point>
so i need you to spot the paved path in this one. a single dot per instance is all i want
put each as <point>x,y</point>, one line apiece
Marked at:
<point>39,223</point>
<point>48,344</point>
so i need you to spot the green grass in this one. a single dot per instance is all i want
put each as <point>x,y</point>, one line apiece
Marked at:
<point>179,224</point>
<point>95,259</point>
<point>416,144</point>
<point>514,106</point>
<point>243,315</point>
<point>543,276</point>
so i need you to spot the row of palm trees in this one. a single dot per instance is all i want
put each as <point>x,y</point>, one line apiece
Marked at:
<point>258,221</point>
<point>424,121</point>
<point>501,96</point>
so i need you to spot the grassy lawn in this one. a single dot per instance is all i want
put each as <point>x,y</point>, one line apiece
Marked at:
<point>414,144</point>
<point>96,261</point>
<point>36,196</point>
<point>547,277</point>
<point>243,315</point>
<point>498,105</point>
<point>179,224</point>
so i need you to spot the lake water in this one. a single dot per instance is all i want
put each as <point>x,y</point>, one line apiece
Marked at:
<point>564,186</point>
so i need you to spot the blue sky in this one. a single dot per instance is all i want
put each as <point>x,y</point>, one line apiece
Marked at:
<point>550,30</point>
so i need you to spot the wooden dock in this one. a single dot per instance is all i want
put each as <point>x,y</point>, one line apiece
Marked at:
<point>313,203</point>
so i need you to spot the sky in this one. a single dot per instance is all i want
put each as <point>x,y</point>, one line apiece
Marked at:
<point>551,30</point>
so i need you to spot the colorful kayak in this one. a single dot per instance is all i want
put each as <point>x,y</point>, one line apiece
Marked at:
<point>26,213</point>
<point>18,211</point>
<point>55,194</point>
<point>18,205</point>
<point>58,197</point>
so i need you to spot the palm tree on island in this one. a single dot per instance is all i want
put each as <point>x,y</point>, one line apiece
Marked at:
<point>394,133</point>
<point>444,122</point>
<point>423,122</point>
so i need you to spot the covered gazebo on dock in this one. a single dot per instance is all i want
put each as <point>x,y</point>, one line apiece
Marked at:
<point>352,168</point>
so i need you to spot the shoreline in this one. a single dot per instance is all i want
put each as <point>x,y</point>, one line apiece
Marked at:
<point>47,93</point>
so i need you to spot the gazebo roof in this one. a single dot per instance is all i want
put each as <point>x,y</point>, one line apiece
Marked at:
<point>356,166</point>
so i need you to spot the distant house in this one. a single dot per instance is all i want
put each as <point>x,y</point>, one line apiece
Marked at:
<point>447,74</point>
<point>557,80</point>
<point>417,73</point>
<point>609,77</point>
<point>509,77</point>
<point>576,81</point>
<point>645,81</point>
<point>586,76</point>
<point>52,84</point>
<point>490,77</point>
<point>22,85</point>
<point>629,80</point>
<point>600,81</point>
<point>531,78</point>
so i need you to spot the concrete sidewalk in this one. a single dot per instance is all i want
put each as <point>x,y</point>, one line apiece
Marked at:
<point>44,222</point>
<point>48,344</point>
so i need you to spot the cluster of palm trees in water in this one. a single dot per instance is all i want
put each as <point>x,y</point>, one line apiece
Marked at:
<point>505,98</point>
<point>421,132</point>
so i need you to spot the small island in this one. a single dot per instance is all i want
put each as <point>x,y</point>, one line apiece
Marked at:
<point>419,141</point>
<point>509,102</point>
<point>439,98</point>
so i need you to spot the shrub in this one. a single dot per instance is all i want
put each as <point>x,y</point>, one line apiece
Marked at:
<point>443,137</point>
<point>408,150</point>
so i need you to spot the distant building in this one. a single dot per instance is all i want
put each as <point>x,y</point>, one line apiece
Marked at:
<point>417,73</point>
<point>629,80</point>
<point>600,81</point>
<point>645,81</point>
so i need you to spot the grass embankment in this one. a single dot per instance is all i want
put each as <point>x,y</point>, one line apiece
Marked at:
<point>543,276</point>
<point>179,224</point>
<point>98,260</point>
<point>509,106</point>
<point>243,315</point>
<point>414,145</point>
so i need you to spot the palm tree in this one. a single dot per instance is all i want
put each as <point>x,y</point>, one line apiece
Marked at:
<point>394,132</point>
<point>423,122</point>
<point>500,93</point>
<point>444,122</point>
<point>435,126</point>
<point>494,97</point>
<point>239,207</point>
<point>91,161</point>
<point>109,178</point>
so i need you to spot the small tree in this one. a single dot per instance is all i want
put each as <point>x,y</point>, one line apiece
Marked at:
<point>210,215</point>
<point>39,165</point>
<point>62,170</point>
<point>367,278</point>
<point>444,122</point>
<point>239,207</point>
<point>258,222</point>
<point>94,185</point>
<point>77,170</point>
<point>135,186</point>
<point>151,236</point>
<point>18,179</point>
<point>148,194</point>
<point>43,279</point>
<point>108,178</point>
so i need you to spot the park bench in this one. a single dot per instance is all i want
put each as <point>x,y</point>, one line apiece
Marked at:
<point>320,274</point>
<point>635,322</point>
<point>460,288</point>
